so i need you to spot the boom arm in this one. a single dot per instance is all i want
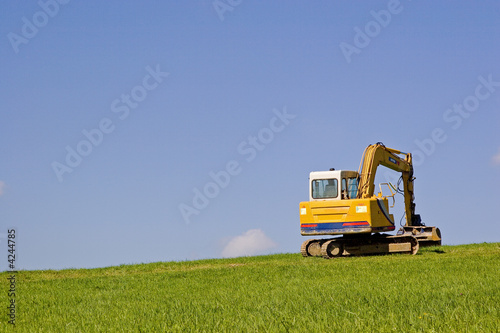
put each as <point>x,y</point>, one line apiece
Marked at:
<point>378,154</point>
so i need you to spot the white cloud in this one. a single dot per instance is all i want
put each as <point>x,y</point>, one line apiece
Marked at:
<point>496,158</point>
<point>2,184</point>
<point>250,243</point>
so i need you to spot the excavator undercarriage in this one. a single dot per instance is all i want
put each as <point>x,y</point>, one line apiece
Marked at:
<point>357,246</point>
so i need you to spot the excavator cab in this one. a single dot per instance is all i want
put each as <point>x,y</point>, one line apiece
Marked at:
<point>333,185</point>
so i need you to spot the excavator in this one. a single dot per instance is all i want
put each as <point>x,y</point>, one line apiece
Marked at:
<point>342,202</point>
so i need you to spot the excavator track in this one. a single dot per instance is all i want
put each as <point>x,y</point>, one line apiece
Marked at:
<point>358,246</point>
<point>312,247</point>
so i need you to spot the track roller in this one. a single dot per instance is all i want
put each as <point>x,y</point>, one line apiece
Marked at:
<point>312,247</point>
<point>331,249</point>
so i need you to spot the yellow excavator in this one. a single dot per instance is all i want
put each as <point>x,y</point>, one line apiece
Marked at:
<point>343,203</point>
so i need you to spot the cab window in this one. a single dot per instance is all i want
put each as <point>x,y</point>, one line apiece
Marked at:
<point>352,187</point>
<point>324,188</point>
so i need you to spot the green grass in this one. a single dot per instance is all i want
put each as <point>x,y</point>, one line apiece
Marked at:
<point>445,289</point>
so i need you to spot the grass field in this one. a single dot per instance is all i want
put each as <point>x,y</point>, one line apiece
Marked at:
<point>445,289</point>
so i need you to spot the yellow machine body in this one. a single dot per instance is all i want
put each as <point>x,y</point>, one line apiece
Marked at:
<point>349,216</point>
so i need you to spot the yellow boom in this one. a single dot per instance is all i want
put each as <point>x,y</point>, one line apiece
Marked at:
<point>378,154</point>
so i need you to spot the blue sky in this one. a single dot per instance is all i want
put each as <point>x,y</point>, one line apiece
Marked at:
<point>159,97</point>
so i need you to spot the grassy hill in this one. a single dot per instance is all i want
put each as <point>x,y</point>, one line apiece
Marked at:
<point>445,289</point>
